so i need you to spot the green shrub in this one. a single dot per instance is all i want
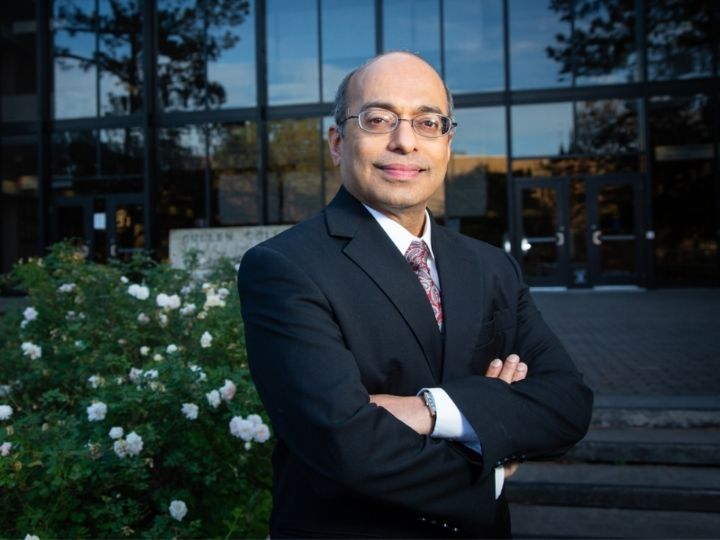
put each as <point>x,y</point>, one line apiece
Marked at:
<point>116,402</point>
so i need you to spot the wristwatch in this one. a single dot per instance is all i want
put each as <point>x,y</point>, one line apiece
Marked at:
<point>430,404</point>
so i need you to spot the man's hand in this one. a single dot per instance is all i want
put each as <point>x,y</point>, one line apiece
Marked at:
<point>511,370</point>
<point>410,410</point>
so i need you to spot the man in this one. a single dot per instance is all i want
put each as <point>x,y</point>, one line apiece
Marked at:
<point>380,369</point>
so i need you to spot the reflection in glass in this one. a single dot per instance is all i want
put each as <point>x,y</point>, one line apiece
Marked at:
<point>17,58</point>
<point>181,182</point>
<point>121,151</point>
<point>293,75</point>
<point>577,237</point>
<point>681,127</point>
<point>602,48</point>
<point>231,53</point>
<point>539,225</point>
<point>331,173</point>
<point>533,28</point>
<point>340,54</point>
<point>539,130</point>
<point>74,154</point>
<point>679,39</point>
<point>473,45</point>
<point>569,166</point>
<point>476,194</point>
<point>119,56</point>
<point>233,170</point>
<point>294,184</point>
<point>74,50</point>
<point>413,25</point>
<point>606,127</point>
<point>18,203</point>
<point>129,231</point>
<point>616,213</point>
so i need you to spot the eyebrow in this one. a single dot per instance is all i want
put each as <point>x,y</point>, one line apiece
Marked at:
<point>391,107</point>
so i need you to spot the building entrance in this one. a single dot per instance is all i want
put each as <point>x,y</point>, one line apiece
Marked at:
<point>580,231</point>
<point>107,226</point>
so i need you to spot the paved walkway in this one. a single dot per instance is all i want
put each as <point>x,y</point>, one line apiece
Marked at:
<point>640,343</point>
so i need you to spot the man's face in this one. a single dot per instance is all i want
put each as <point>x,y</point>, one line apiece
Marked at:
<point>395,173</point>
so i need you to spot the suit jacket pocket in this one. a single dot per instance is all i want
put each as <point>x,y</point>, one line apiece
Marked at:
<point>490,340</point>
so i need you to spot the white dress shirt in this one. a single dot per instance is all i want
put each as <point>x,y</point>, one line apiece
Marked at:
<point>450,423</point>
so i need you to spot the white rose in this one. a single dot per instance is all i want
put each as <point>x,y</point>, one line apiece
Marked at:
<point>190,410</point>
<point>144,350</point>
<point>261,433</point>
<point>227,391</point>
<point>255,419</point>
<point>135,375</point>
<point>188,309</point>
<point>171,348</point>
<point>143,319</point>
<point>97,411</point>
<point>173,302</point>
<point>31,537</point>
<point>31,350</point>
<point>30,314</point>
<point>134,443</point>
<point>5,448</point>
<point>151,374</point>
<point>66,288</point>
<point>241,428</point>
<point>213,398</point>
<point>5,412</point>
<point>120,448</point>
<point>96,380</point>
<point>177,510</point>
<point>116,432</point>
<point>162,300</point>
<point>163,320</point>
<point>206,340</point>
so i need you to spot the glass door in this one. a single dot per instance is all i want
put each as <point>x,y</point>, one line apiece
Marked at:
<point>126,226</point>
<point>72,218</point>
<point>542,222</point>
<point>614,230</point>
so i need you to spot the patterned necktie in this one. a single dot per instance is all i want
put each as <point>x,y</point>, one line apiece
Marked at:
<point>417,255</point>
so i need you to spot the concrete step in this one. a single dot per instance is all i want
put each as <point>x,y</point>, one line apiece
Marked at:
<point>530,521</point>
<point>650,487</point>
<point>670,412</point>
<point>700,447</point>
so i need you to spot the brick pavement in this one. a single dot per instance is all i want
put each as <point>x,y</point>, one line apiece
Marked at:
<point>657,343</point>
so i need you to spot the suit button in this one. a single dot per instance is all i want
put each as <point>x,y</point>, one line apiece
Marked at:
<point>455,529</point>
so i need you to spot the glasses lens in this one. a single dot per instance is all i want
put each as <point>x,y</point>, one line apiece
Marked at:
<point>431,125</point>
<point>378,120</point>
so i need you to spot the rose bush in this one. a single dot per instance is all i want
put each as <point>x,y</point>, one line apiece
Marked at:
<point>126,405</point>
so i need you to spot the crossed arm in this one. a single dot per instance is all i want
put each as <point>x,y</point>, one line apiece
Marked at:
<point>412,411</point>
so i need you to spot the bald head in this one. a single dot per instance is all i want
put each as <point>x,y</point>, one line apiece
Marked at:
<point>395,60</point>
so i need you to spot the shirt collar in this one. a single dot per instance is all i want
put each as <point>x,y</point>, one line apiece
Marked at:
<point>399,235</point>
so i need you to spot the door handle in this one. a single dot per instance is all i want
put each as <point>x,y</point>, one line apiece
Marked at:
<point>596,238</point>
<point>113,250</point>
<point>560,238</point>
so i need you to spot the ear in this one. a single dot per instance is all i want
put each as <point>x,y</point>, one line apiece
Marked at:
<point>335,143</point>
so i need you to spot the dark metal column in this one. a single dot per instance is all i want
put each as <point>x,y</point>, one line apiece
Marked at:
<point>44,120</point>
<point>149,16</point>
<point>262,116</point>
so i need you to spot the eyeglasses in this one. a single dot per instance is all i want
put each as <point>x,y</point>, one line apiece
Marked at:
<point>381,121</point>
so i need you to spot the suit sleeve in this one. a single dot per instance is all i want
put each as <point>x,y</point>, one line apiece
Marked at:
<point>539,417</point>
<point>310,385</point>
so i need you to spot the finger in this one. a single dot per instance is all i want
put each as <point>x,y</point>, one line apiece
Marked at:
<point>510,469</point>
<point>509,367</point>
<point>520,372</point>
<point>494,368</point>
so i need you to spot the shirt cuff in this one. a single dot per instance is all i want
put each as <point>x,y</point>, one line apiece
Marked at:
<point>450,423</point>
<point>499,480</point>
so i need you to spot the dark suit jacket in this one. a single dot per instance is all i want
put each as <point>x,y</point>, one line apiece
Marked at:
<point>332,313</point>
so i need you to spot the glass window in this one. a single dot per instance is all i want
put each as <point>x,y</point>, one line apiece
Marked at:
<point>231,54</point>
<point>294,182</point>
<point>74,52</point>
<point>18,203</point>
<point>542,130</point>
<point>233,170</point>
<point>181,54</point>
<point>473,45</point>
<point>181,182</point>
<point>536,31</point>
<point>679,39</point>
<point>604,40</point>
<point>120,57</point>
<point>606,127</point>
<point>292,36</point>
<point>18,84</point>
<point>413,25</point>
<point>74,154</point>
<point>121,151</point>
<point>476,196</point>
<point>340,54</point>
<point>331,173</point>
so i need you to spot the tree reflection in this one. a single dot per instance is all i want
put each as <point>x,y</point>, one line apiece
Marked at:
<point>190,34</point>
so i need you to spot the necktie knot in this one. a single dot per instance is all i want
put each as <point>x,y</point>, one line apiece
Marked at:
<point>417,254</point>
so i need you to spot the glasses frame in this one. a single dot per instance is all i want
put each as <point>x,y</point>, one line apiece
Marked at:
<point>452,125</point>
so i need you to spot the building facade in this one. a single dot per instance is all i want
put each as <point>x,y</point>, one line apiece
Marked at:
<point>587,142</point>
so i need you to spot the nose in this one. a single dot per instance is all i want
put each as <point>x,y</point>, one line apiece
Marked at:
<point>403,138</point>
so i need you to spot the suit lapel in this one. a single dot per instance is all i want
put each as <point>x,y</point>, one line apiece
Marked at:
<point>371,249</point>
<point>462,293</point>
